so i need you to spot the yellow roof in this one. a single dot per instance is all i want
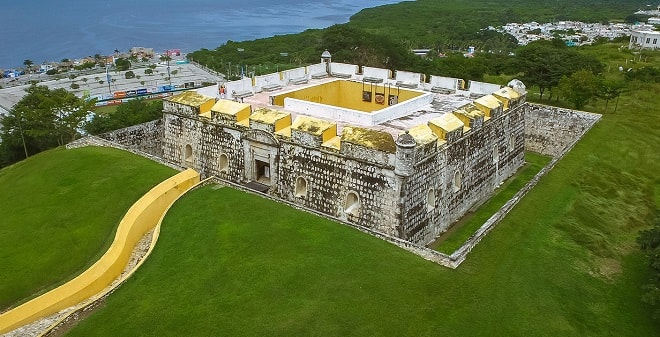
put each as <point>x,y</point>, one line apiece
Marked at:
<point>190,98</point>
<point>268,116</point>
<point>423,134</point>
<point>311,125</point>
<point>369,138</point>
<point>448,122</point>
<point>489,101</point>
<point>229,107</point>
<point>507,92</point>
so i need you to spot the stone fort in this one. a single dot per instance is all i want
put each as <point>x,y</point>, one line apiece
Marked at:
<point>398,153</point>
<point>355,144</point>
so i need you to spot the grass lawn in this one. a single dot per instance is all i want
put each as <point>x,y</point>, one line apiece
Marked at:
<point>233,264</point>
<point>461,231</point>
<point>106,109</point>
<point>563,263</point>
<point>60,209</point>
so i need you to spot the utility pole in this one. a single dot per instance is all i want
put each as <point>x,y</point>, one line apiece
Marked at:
<point>107,77</point>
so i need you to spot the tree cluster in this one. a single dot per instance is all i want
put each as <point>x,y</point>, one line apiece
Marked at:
<point>41,120</point>
<point>45,118</point>
<point>133,112</point>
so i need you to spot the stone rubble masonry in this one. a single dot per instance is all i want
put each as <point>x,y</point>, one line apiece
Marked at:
<point>549,130</point>
<point>354,183</point>
<point>408,202</point>
<point>146,137</point>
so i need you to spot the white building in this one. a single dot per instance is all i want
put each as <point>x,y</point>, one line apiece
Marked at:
<point>644,40</point>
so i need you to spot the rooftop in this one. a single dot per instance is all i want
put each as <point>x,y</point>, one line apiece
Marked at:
<point>438,105</point>
<point>361,104</point>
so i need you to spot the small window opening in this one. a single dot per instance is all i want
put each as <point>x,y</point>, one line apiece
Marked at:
<point>457,181</point>
<point>352,203</point>
<point>301,187</point>
<point>188,155</point>
<point>224,163</point>
<point>430,200</point>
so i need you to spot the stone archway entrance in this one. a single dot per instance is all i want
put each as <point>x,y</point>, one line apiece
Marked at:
<point>262,172</point>
<point>261,153</point>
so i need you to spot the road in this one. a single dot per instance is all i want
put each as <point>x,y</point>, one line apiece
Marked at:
<point>90,83</point>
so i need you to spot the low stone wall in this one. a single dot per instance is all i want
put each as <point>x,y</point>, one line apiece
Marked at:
<point>550,130</point>
<point>97,141</point>
<point>146,137</point>
<point>143,216</point>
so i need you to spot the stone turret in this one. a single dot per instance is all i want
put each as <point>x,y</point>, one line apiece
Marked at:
<point>405,155</point>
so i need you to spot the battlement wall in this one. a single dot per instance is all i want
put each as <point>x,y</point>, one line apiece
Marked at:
<point>453,174</point>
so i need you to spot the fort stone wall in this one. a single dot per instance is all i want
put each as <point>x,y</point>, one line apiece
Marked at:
<point>145,137</point>
<point>451,178</point>
<point>549,130</point>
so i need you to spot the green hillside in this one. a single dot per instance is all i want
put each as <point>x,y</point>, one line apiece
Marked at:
<point>60,209</point>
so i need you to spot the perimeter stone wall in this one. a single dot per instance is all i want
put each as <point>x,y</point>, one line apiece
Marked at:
<point>146,137</point>
<point>549,130</point>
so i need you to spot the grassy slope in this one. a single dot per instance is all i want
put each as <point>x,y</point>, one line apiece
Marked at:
<point>59,212</point>
<point>232,264</point>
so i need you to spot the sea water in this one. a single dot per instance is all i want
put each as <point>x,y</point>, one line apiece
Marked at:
<point>44,31</point>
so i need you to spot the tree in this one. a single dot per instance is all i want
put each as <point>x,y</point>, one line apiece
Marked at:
<point>609,90</point>
<point>544,63</point>
<point>541,65</point>
<point>28,65</point>
<point>649,242</point>
<point>41,120</point>
<point>122,64</point>
<point>130,113</point>
<point>579,88</point>
<point>129,74</point>
<point>148,71</point>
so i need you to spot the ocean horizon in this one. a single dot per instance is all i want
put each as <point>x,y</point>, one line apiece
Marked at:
<point>44,31</point>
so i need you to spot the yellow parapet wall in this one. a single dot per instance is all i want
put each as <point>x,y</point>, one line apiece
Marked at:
<point>143,216</point>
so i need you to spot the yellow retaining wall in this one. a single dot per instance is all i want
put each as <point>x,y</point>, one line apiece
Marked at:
<point>140,219</point>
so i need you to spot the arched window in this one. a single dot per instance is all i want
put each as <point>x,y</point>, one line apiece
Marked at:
<point>188,155</point>
<point>458,177</point>
<point>496,154</point>
<point>223,163</point>
<point>352,203</point>
<point>430,200</point>
<point>512,142</point>
<point>301,187</point>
